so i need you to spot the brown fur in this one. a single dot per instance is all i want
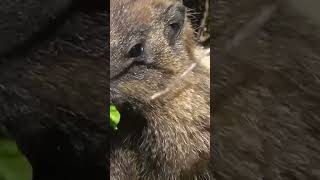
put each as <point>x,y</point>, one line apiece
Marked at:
<point>173,140</point>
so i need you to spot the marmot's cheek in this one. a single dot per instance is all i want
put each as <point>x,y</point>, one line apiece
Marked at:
<point>136,89</point>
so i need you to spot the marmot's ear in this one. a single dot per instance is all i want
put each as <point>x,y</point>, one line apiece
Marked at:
<point>175,18</point>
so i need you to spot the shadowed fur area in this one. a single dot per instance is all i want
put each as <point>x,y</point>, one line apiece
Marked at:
<point>168,137</point>
<point>266,92</point>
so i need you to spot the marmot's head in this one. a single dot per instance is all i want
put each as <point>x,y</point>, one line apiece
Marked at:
<point>151,44</point>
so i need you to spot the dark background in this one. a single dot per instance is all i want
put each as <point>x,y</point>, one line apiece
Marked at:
<point>266,86</point>
<point>52,77</point>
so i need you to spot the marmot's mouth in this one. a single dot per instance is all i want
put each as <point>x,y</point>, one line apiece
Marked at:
<point>131,123</point>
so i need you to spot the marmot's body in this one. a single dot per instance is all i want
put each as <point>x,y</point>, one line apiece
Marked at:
<point>164,132</point>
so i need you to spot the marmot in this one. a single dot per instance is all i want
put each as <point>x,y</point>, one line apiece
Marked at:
<point>161,90</point>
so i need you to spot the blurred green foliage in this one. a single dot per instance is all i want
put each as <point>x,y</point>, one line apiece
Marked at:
<point>114,117</point>
<point>13,165</point>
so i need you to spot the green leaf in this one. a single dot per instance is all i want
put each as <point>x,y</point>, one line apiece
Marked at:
<point>114,117</point>
<point>13,165</point>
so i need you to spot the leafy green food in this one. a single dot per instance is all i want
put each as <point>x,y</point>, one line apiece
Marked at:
<point>114,117</point>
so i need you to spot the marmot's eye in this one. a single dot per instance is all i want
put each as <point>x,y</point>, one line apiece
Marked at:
<point>136,51</point>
